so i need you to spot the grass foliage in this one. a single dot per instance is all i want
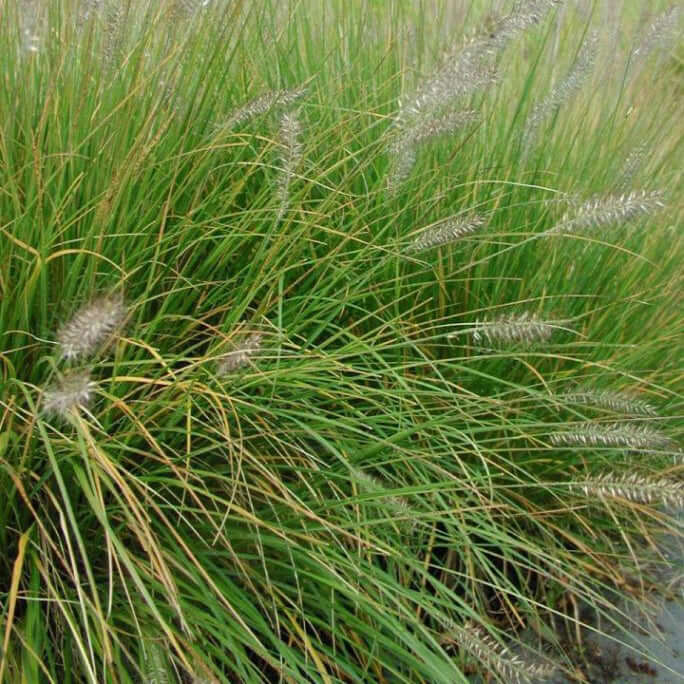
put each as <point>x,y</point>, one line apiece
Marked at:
<point>298,350</point>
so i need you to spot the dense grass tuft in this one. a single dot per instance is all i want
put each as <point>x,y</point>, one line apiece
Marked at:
<point>392,371</point>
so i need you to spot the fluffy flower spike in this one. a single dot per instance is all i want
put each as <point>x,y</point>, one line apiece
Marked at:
<point>491,654</point>
<point>431,110</point>
<point>626,435</point>
<point>290,132</point>
<point>241,355</point>
<point>572,83</point>
<point>660,34</point>
<point>445,232</point>
<point>263,104</point>
<point>619,402</point>
<point>602,211</point>
<point>511,329</point>
<point>91,326</point>
<point>71,392</point>
<point>634,487</point>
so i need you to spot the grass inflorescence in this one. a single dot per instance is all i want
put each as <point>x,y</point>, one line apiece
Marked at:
<point>614,434</point>
<point>90,326</point>
<point>276,99</point>
<point>610,209</point>
<point>71,392</point>
<point>241,355</point>
<point>524,328</point>
<point>619,402</point>
<point>512,667</point>
<point>351,386</point>
<point>445,232</point>
<point>634,487</point>
<point>572,83</point>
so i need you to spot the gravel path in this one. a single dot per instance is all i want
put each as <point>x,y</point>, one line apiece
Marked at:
<point>654,653</point>
<point>659,654</point>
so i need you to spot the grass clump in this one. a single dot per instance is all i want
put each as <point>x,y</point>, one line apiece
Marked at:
<point>334,440</point>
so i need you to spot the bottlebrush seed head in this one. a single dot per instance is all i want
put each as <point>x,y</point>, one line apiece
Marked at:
<point>91,326</point>
<point>397,504</point>
<point>187,8</point>
<point>615,401</point>
<point>262,104</point>
<point>290,132</point>
<point>72,391</point>
<point>574,80</point>
<point>402,161</point>
<point>404,149</point>
<point>602,211</point>
<point>630,167</point>
<point>461,73</point>
<point>525,327</point>
<point>615,435</point>
<point>528,14</point>
<point>241,355</point>
<point>469,67</point>
<point>445,124</point>
<point>479,644</point>
<point>445,232</point>
<point>114,24</point>
<point>635,488</point>
<point>660,34</point>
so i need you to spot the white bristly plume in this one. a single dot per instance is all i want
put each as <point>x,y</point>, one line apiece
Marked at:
<point>71,392</point>
<point>492,655</point>
<point>525,328</point>
<point>262,104</point>
<point>633,487</point>
<point>607,210</point>
<point>91,326</point>
<point>290,132</point>
<point>240,356</point>
<point>626,435</point>
<point>445,232</point>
